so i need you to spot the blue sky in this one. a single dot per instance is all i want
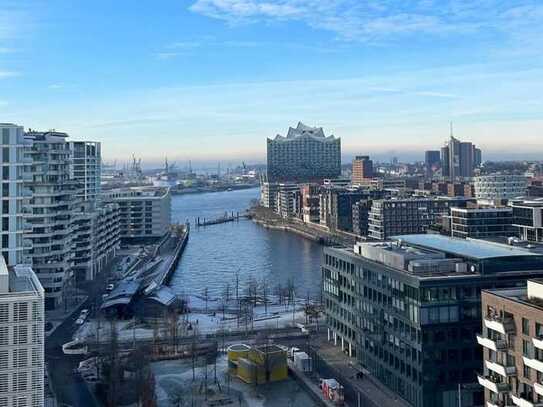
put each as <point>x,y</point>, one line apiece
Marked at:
<point>211,79</point>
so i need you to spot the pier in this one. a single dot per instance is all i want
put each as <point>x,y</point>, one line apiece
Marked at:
<point>217,221</point>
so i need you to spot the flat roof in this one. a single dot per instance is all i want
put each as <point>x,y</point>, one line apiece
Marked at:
<point>466,248</point>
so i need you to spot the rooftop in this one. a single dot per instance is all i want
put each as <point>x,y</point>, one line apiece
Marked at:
<point>466,248</point>
<point>302,130</point>
<point>18,280</point>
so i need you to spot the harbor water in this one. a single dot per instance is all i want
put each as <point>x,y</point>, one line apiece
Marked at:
<point>216,253</point>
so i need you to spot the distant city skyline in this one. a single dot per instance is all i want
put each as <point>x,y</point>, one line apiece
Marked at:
<point>210,80</point>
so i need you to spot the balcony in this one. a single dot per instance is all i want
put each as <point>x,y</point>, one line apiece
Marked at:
<point>495,345</point>
<point>538,342</point>
<point>522,402</point>
<point>491,384</point>
<point>538,388</point>
<point>500,324</point>
<point>533,363</point>
<point>502,370</point>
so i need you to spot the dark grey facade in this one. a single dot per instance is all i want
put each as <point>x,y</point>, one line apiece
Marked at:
<point>406,216</point>
<point>304,155</point>
<point>432,159</point>
<point>528,220</point>
<point>361,211</point>
<point>481,223</point>
<point>410,312</point>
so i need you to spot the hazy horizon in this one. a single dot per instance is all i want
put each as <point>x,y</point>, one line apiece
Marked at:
<point>210,80</point>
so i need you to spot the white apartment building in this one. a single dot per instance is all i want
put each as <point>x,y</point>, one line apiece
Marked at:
<point>86,168</point>
<point>96,240</point>
<point>21,337</point>
<point>496,187</point>
<point>52,206</point>
<point>14,194</point>
<point>145,212</point>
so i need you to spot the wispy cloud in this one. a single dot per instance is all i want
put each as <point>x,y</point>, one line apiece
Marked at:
<point>56,86</point>
<point>375,21</point>
<point>8,74</point>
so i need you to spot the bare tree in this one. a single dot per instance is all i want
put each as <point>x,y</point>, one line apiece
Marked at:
<point>227,293</point>
<point>252,289</point>
<point>290,291</point>
<point>173,328</point>
<point>206,296</point>
<point>177,398</point>
<point>195,339</point>
<point>148,395</point>
<point>112,360</point>
<point>265,291</point>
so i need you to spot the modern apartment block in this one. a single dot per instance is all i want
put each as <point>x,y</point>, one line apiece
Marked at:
<point>341,209</point>
<point>362,170</point>
<point>304,155</point>
<point>361,210</point>
<point>459,159</point>
<point>51,212</point>
<point>21,337</point>
<point>96,240</point>
<point>512,342</point>
<point>288,200</point>
<point>500,187</point>
<point>528,219</point>
<point>145,212</point>
<point>310,203</point>
<point>409,310</point>
<point>482,223</point>
<point>86,168</point>
<point>268,194</point>
<point>408,216</point>
<point>14,194</point>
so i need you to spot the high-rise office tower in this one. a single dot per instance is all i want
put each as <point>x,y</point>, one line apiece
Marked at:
<point>305,154</point>
<point>432,159</point>
<point>86,168</point>
<point>459,159</point>
<point>13,192</point>
<point>21,337</point>
<point>362,169</point>
<point>51,213</point>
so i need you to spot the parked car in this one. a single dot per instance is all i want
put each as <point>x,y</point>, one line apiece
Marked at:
<point>85,312</point>
<point>80,321</point>
<point>110,287</point>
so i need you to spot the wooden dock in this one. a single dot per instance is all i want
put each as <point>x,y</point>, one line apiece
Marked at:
<point>217,221</point>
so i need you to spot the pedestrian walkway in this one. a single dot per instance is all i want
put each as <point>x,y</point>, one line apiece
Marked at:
<point>365,390</point>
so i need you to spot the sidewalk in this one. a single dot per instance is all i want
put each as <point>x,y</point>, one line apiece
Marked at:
<point>367,391</point>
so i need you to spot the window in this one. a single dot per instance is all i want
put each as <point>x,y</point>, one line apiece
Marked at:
<point>526,348</point>
<point>4,313</point>
<point>4,385</point>
<point>525,326</point>
<point>526,371</point>
<point>20,335</point>
<point>4,335</point>
<point>20,358</point>
<point>20,381</point>
<point>20,312</point>
<point>5,154</point>
<point>4,359</point>
<point>5,136</point>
